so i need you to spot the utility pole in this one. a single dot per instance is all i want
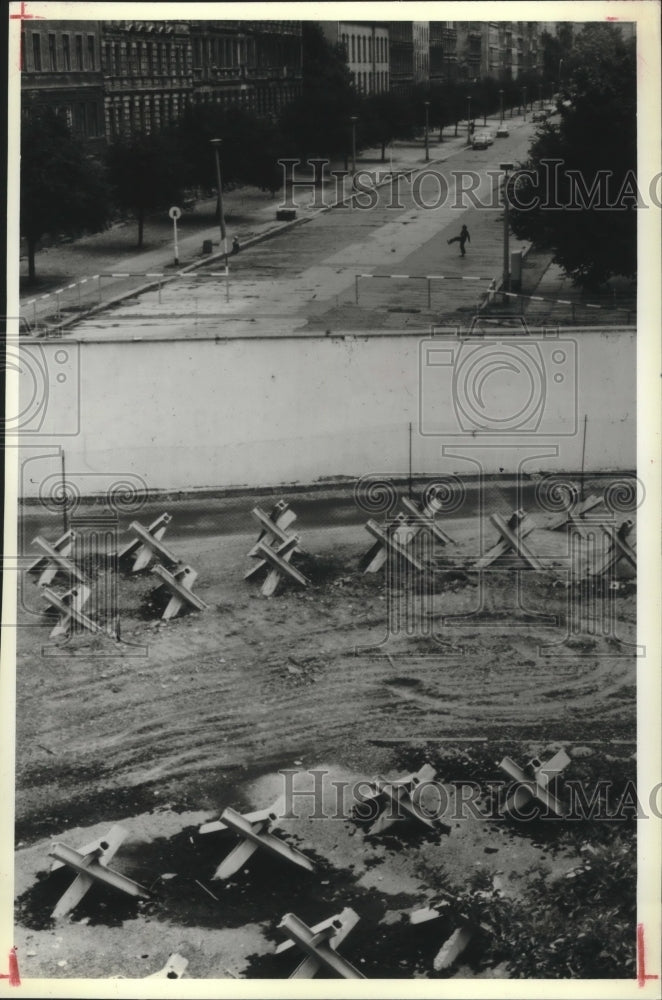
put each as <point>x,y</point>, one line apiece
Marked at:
<point>505,285</point>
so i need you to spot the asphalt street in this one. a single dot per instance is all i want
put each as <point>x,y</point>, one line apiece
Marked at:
<point>305,279</point>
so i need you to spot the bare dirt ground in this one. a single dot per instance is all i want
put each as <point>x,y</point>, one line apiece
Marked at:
<point>165,729</point>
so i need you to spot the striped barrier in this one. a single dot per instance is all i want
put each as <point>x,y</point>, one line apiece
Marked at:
<point>158,275</point>
<point>429,278</point>
<point>568,302</point>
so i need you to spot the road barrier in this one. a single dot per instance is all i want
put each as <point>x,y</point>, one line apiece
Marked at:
<point>575,306</point>
<point>428,278</point>
<point>88,292</point>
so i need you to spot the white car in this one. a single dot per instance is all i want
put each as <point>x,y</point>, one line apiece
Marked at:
<point>481,140</point>
<point>502,132</point>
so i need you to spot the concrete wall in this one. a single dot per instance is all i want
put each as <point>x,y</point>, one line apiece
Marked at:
<point>201,413</point>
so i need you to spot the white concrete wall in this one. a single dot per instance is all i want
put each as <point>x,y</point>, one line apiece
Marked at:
<point>192,414</point>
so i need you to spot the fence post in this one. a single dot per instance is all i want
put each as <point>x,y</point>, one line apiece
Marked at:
<point>356,289</point>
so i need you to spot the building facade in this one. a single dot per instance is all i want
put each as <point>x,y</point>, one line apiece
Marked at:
<point>61,66</point>
<point>366,48</point>
<point>443,52</point>
<point>147,75</point>
<point>115,79</point>
<point>256,65</point>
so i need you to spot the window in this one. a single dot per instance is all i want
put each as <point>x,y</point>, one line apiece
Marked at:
<point>353,50</point>
<point>91,56</point>
<point>139,57</point>
<point>178,68</point>
<point>52,53</point>
<point>79,52</point>
<point>93,119</point>
<point>23,63</point>
<point>81,119</point>
<point>118,58</point>
<point>108,56</point>
<point>36,52</point>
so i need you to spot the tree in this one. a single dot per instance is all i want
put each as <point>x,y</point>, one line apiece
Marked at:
<point>146,174</point>
<point>63,189</point>
<point>595,142</point>
<point>385,117</point>
<point>317,124</point>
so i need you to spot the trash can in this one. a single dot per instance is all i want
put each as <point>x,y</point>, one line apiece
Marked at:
<point>516,271</point>
<point>207,246</point>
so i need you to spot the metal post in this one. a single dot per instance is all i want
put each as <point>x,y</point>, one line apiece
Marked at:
<point>524,95</point>
<point>174,225</point>
<point>356,289</point>
<point>353,120</point>
<point>65,518</point>
<point>216,145</point>
<point>468,121</point>
<point>427,148</point>
<point>506,167</point>
<point>501,104</point>
<point>159,290</point>
<point>227,283</point>
<point>429,293</point>
<point>34,314</point>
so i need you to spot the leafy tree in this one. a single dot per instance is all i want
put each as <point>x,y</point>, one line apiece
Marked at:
<point>63,189</point>
<point>596,138</point>
<point>146,174</point>
<point>385,117</point>
<point>317,124</point>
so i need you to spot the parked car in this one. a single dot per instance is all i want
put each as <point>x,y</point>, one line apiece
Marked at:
<point>502,132</point>
<point>481,140</point>
<point>539,116</point>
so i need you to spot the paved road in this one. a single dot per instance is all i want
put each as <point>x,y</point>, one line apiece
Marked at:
<point>303,279</point>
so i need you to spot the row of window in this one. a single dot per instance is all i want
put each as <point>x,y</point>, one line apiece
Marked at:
<point>82,118</point>
<point>144,58</point>
<point>370,83</point>
<point>358,48</point>
<point>79,56</point>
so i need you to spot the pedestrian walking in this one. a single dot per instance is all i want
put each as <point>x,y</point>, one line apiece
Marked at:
<point>461,239</point>
<point>235,246</point>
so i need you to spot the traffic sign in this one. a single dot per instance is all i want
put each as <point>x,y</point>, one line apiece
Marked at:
<point>175,212</point>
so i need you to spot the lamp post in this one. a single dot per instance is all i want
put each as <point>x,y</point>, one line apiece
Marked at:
<point>427,125</point>
<point>501,104</point>
<point>524,99</point>
<point>505,285</point>
<point>216,146</point>
<point>468,120</point>
<point>353,120</point>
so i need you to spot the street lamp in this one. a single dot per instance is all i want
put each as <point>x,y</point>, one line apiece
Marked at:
<point>468,120</point>
<point>501,104</point>
<point>524,99</point>
<point>353,120</point>
<point>427,125</point>
<point>505,285</point>
<point>216,145</point>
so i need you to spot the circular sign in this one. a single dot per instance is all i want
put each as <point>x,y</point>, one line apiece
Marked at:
<point>175,212</point>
